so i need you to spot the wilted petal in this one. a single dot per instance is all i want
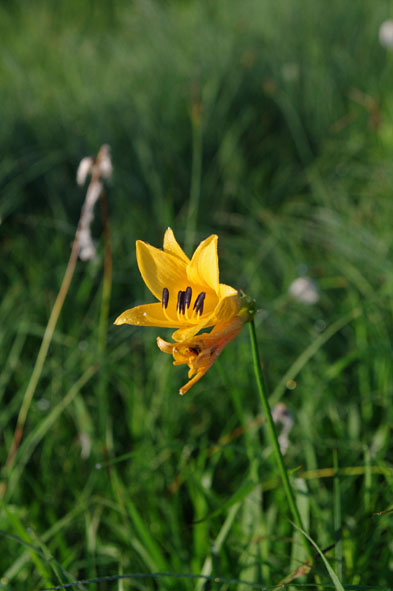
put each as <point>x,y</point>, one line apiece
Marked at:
<point>201,351</point>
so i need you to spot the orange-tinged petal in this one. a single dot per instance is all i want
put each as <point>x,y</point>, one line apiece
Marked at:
<point>201,351</point>
<point>172,246</point>
<point>185,354</point>
<point>147,315</point>
<point>160,269</point>
<point>164,346</point>
<point>203,268</point>
<point>184,389</point>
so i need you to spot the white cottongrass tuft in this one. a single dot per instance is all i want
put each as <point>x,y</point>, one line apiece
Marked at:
<point>100,168</point>
<point>386,34</point>
<point>304,290</point>
<point>104,162</point>
<point>281,416</point>
<point>85,167</point>
<point>85,443</point>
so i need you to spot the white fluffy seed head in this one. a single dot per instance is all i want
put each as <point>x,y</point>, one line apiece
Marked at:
<point>85,167</point>
<point>87,249</point>
<point>284,419</point>
<point>304,290</point>
<point>386,34</point>
<point>99,168</point>
<point>104,162</point>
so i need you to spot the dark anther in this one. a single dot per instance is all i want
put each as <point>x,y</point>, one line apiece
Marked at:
<point>183,302</point>
<point>179,299</point>
<point>181,305</point>
<point>188,296</point>
<point>165,297</point>
<point>198,306</point>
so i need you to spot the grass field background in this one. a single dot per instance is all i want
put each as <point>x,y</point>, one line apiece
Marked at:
<point>269,123</point>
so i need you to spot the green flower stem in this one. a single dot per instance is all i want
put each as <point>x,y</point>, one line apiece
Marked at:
<point>273,435</point>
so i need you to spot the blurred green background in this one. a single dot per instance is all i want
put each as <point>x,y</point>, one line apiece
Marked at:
<point>267,122</point>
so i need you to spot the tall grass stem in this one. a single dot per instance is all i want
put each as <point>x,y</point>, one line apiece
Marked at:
<point>196,171</point>
<point>42,354</point>
<point>97,170</point>
<point>107,281</point>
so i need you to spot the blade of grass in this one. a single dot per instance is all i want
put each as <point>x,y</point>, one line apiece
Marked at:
<point>310,351</point>
<point>33,439</point>
<point>272,432</point>
<point>338,549</point>
<point>196,169</point>
<point>334,578</point>
<point>217,544</point>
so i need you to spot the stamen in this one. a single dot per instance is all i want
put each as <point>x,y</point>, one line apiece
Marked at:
<point>187,297</point>
<point>179,299</point>
<point>181,305</point>
<point>165,297</point>
<point>183,302</point>
<point>198,306</point>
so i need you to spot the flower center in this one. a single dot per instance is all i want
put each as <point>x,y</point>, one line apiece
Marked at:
<point>184,300</point>
<point>196,350</point>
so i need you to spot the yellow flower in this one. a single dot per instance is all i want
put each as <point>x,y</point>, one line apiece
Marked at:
<point>190,296</point>
<point>202,350</point>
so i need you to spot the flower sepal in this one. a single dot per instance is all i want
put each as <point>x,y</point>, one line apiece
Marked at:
<point>248,307</point>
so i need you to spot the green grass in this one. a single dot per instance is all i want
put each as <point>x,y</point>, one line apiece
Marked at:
<point>269,123</point>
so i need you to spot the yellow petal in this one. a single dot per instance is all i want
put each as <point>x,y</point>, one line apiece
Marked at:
<point>172,246</point>
<point>183,334</point>
<point>147,315</point>
<point>227,290</point>
<point>227,308</point>
<point>160,269</point>
<point>203,268</point>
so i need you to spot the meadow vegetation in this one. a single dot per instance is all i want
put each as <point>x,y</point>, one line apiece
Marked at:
<point>269,123</point>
